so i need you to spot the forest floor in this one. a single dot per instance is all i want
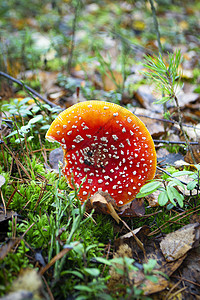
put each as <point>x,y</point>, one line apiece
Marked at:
<point>54,55</point>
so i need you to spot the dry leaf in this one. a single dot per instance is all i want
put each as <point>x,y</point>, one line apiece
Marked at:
<point>102,202</point>
<point>133,209</point>
<point>179,242</point>
<point>6,248</point>
<point>112,80</point>
<point>56,156</point>
<point>129,239</point>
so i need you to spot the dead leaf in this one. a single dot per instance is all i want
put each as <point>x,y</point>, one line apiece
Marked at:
<point>8,216</point>
<point>56,156</point>
<point>111,80</point>
<point>151,121</point>
<point>153,199</point>
<point>133,209</point>
<point>102,202</point>
<point>186,179</point>
<point>190,271</point>
<point>7,247</point>
<point>179,242</point>
<point>141,233</point>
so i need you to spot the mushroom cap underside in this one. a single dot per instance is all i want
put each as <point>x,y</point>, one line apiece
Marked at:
<point>108,146</point>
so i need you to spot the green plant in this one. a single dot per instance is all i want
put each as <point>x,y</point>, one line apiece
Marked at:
<point>168,192</point>
<point>11,266</point>
<point>37,119</point>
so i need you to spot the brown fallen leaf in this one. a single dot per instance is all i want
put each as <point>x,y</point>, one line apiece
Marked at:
<point>56,156</point>
<point>102,202</point>
<point>141,233</point>
<point>195,148</point>
<point>179,242</point>
<point>112,80</point>
<point>7,247</point>
<point>133,209</point>
<point>189,274</point>
<point>137,277</point>
<point>5,217</point>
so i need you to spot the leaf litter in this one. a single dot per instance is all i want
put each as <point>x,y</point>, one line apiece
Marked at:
<point>177,253</point>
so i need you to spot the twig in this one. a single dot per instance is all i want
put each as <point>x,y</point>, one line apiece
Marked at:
<point>28,88</point>
<point>156,26</point>
<point>174,142</point>
<point>74,26</point>
<point>162,170</point>
<point>183,131</point>
<point>167,121</point>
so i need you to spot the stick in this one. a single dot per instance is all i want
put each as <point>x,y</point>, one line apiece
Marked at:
<point>28,88</point>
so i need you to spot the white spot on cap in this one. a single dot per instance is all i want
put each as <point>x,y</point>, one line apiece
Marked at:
<point>63,140</point>
<point>69,132</point>
<point>121,202</point>
<point>100,180</point>
<point>129,143</point>
<point>129,119</point>
<point>106,107</point>
<point>115,114</point>
<point>123,129</point>
<point>89,105</point>
<point>88,135</point>
<point>64,126</point>
<point>134,172</point>
<point>78,139</point>
<point>58,132</point>
<point>104,139</point>
<point>115,137</point>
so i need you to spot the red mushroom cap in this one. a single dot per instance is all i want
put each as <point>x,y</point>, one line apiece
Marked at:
<point>107,143</point>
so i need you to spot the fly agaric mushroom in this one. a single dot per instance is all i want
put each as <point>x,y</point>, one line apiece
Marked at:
<point>108,145</point>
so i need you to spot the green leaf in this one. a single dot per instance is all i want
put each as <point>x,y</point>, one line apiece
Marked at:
<point>182,173</point>
<point>150,187</point>
<point>152,278</point>
<point>174,194</point>
<point>45,127</point>
<point>163,198</point>
<point>92,271</point>
<point>103,261</point>
<point>35,119</point>
<point>175,181</point>
<point>191,185</point>
<point>83,288</point>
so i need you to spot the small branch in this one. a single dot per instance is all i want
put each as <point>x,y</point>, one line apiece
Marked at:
<point>174,142</point>
<point>156,26</point>
<point>27,88</point>
<point>183,131</point>
<point>162,170</point>
<point>74,26</point>
<point>167,121</point>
